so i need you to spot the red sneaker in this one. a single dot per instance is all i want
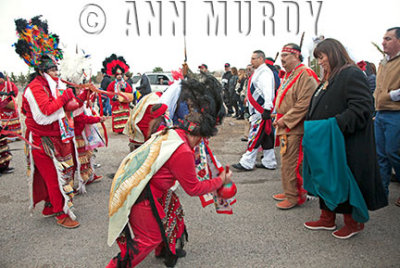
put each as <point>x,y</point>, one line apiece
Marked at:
<point>350,228</point>
<point>325,222</point>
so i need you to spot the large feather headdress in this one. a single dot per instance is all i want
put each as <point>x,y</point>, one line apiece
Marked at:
<point>36,45</point>
<point>112,64</point>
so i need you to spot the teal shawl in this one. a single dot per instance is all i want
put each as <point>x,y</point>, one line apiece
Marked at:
<point>325,170</point>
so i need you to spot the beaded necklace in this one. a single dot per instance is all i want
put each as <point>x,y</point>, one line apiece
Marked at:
<point>287,79</point>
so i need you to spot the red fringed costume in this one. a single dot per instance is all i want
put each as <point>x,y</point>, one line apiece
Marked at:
<point>51,168</point>
<point>147,235</point>
<point>84,155</point>
<point>120,110</point>
<point>9,115</point>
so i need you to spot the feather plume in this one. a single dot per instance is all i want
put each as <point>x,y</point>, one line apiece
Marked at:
<point>75,67</point>
<point>34,41</point>
<point>378,48</point>
<point>302,40</point>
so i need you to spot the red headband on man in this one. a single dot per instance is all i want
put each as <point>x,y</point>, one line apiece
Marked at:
<point>291,50</point>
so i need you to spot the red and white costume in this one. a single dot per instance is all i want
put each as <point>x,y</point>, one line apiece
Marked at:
<point>84,154</point>
<point>120,110</point>
<point>10,117</point>
<point>50,169</point>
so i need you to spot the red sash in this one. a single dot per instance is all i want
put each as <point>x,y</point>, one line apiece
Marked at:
<point>309,71</point>
<point>265,125</point>
<point>252,101</point>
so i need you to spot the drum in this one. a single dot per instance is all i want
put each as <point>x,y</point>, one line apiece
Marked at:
<point>129,97</point>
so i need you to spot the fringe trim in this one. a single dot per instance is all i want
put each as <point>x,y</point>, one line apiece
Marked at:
<point>30,171</point>
<point>4,148</point>
<point>5,159</point>
<point>64,186</point>
<point>80,142</point>
<point>81,183</point>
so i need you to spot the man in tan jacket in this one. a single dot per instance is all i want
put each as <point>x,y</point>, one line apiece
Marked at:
<point>387,102</point>
<point>291,105</point>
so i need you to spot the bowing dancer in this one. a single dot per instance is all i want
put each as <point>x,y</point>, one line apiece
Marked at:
<point>151,170</point>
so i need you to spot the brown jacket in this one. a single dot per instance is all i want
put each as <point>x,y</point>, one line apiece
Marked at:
<point>387,79</point>
<point>294,105</point>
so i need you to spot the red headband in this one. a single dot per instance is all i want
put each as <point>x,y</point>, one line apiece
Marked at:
<point>269,62</point>
<point>291,50</point>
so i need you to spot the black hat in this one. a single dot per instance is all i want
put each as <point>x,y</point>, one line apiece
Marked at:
<point>227,65</point>
<point>203,65</point>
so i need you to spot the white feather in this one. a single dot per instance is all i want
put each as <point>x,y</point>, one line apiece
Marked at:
<point>75,67</point>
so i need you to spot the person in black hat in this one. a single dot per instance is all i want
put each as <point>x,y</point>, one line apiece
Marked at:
<point>225,88</point>
<point>204,69</point>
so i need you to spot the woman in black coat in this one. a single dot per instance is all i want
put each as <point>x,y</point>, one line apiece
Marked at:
<point>345,95</point>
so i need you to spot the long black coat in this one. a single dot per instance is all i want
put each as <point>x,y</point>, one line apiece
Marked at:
<point>349,99</point>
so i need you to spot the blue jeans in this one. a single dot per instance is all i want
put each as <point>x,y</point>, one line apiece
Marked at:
<point>106,105</point>
<point>387,136</point>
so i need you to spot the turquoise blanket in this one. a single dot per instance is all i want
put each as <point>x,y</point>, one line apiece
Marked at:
<point>325,170</point>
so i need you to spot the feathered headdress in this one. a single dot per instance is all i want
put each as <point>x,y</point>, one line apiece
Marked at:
<point>112,64</point>
<point>75,67</point>
<point>36,46</point>
<point>206,109</point>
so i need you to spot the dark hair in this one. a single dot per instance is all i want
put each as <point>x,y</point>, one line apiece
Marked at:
<point>260,53</point>
<point>370,68</point>
<point>205,104</point>
<point>397,31</point>
<point>337,56</point>
<point>296,47</point>
<point>234,71</point>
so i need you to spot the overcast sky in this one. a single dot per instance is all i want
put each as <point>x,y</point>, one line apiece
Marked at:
<point>265,25</point>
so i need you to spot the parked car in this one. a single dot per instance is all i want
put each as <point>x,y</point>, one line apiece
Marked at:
<point>158,81</point>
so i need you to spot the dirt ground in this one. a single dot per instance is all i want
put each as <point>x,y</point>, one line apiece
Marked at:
<point>256,235</point>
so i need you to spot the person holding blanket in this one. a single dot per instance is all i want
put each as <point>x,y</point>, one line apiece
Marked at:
<point>340,162</point>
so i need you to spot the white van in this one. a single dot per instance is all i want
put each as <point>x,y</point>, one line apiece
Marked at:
<point>158,81</point>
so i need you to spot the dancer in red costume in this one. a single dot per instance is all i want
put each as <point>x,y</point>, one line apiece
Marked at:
<point>117,66</point>
<point>51,168</point>
<point>5,154</point>
<point>146,174</point>
<point>83,127</point>
<point>9,114</point>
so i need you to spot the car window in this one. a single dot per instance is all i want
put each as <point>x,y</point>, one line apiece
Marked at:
<point>153,79</point>
<point>162,79</point>
<point>135,79</point>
